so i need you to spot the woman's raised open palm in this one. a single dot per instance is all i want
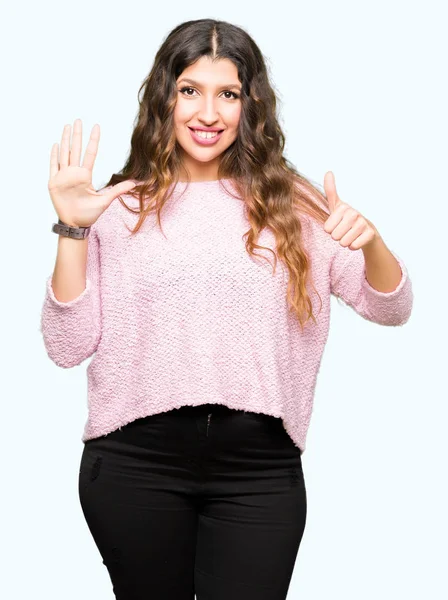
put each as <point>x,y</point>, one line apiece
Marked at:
<point>74,198</point>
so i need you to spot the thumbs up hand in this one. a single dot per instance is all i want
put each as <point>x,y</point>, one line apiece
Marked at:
<point>345,223</point>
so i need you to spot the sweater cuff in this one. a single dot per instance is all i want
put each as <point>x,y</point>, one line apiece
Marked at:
<point>377,293</point>
<point>70,303</point>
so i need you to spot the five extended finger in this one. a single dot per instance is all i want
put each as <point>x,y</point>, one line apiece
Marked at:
<point>75,153</point>
<point>54,160</point>
<point>92,148</point>
<point>65,147</point>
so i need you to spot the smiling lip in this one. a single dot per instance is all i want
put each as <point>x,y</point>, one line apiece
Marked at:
<point>205,142</point>
<point>205,128</point>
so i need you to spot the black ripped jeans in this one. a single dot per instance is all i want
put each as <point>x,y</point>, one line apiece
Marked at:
<point>201,501</point>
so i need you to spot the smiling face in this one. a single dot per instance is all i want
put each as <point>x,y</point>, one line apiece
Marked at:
<point>208,96</point>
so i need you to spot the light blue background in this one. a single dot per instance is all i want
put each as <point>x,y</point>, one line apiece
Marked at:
<point>362,90</point>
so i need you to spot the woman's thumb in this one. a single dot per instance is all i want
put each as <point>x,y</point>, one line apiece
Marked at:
<point>123,187</point>
<point>118,189</point>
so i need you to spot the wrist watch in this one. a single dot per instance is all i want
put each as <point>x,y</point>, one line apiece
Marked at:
<point>77,233</point>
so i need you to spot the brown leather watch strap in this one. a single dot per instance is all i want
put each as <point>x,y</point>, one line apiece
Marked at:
<point>77,233</point>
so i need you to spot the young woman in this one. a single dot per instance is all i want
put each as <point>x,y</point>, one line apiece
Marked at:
<point>206,352</point>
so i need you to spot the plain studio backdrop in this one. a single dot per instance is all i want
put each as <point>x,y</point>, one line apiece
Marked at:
<point>362,92</point>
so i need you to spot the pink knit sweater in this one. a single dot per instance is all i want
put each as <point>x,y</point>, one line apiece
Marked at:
<point>188,317</point>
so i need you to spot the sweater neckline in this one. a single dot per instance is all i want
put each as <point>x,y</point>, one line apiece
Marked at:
<point>206,182</point>
<point>210,186</point>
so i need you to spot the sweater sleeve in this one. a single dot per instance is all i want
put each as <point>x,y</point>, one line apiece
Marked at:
<point>348,282</point>
<point>72,330</point>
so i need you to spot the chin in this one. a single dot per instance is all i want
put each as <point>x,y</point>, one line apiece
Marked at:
<point>204,158</point>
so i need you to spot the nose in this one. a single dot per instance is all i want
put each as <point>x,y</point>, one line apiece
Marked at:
<point>208,113</point>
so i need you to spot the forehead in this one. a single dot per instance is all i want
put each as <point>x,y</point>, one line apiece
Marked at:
<point>207,72</point>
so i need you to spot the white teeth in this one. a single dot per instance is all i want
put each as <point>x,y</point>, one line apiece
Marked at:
<point>205,134</point>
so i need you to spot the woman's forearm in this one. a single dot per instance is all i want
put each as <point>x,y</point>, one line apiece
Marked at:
<point>69,274</point>
<point>382,269</point>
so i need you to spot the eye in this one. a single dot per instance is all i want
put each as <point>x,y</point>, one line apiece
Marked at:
<point>233,93</point>
<point>182,90</point>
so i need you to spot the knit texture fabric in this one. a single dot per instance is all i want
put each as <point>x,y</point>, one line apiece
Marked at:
<point>187,317</point>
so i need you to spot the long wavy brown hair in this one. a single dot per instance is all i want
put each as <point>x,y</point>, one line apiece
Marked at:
<point>273,190</point>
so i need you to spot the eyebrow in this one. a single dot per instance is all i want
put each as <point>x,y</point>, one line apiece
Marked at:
<point>193,82</point>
